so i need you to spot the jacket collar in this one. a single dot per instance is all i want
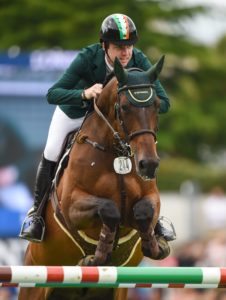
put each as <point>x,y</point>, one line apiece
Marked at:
<point>131,63</point>
<point>99,68</point>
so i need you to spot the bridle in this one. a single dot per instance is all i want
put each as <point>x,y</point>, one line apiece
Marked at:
<point>117,111</point>
<point>125,147</point>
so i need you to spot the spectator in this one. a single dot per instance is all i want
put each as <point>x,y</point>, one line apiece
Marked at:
<point>12,146</point>
<point>8,294</point>
<point>214,208</point>
<point>215,250</point>
<point>15,199</point>
<point>14,194</point>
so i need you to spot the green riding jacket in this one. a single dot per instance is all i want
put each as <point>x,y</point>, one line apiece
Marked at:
<point>86,69</point>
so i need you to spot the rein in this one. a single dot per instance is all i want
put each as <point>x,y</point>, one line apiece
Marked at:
<point>125,146</point>
<point>126,151</point>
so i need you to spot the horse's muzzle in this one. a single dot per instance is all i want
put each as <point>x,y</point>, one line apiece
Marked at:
<point>147,168</point>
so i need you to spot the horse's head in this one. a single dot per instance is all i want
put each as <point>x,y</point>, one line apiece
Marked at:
<point>136,109</point>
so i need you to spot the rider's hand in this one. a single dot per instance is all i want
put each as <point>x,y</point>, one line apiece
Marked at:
<point>93,92</point>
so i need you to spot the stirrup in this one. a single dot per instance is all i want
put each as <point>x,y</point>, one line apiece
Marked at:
<point>167,230</point>
<point>33,228</point>
<point>31,211</point>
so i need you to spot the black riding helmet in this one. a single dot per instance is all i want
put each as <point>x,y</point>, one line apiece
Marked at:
<point>118,29</point>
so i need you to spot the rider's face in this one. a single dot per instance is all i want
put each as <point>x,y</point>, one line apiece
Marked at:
<point>122,52</point>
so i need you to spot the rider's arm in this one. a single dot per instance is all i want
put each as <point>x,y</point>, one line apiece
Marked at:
<point>68,89</point>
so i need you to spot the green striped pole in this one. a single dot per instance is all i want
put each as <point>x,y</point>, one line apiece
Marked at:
<point>75,276</point>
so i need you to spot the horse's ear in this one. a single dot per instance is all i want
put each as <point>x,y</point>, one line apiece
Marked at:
<point>155,70</point>
<point>120,73</point>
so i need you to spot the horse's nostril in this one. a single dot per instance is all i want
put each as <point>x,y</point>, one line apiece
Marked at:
<point>147,163</point>
<point>143,164</point>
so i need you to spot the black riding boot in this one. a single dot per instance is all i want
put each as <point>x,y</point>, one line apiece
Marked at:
<point>33,227</point>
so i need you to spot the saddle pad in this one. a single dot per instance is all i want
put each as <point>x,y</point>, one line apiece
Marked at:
<point>124,251</point>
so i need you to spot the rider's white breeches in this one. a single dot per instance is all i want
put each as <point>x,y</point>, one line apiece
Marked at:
<point>60,126</point>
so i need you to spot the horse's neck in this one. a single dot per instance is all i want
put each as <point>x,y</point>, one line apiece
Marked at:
<point>99,126</point>
<point>97,129</point>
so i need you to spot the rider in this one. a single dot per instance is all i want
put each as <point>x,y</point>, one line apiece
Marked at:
<point>80,83</point>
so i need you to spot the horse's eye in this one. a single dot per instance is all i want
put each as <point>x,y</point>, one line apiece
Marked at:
<point>125,107</point>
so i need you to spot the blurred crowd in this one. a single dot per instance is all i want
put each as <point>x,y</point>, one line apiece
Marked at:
<point>15,198</point>
<point>208,250</point>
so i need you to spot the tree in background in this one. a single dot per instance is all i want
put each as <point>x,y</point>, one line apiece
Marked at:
<point>193,74</point>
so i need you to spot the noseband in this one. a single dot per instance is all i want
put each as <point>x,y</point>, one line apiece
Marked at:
<point>143,131</point>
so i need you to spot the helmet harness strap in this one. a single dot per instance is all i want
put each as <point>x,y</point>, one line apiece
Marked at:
<point>106,46</point>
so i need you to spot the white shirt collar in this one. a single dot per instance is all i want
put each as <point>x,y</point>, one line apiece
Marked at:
<point>109,66</point>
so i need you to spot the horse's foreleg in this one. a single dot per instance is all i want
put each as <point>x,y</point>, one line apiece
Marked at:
<point>153,246</point>
<point>86,212</point>
<point>110,216</point>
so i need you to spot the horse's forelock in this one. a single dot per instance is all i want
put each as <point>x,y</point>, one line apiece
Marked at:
<point>136,77</point>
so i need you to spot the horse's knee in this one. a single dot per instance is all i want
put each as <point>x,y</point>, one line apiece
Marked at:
<point>143,213</point>
<point>109,214</point>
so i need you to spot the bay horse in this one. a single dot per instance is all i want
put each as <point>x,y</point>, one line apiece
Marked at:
<point>105,202</point>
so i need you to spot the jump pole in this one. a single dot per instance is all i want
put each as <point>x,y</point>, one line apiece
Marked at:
<point>112,277</point>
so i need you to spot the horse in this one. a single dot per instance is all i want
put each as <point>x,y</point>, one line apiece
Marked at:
<point>105,203</point>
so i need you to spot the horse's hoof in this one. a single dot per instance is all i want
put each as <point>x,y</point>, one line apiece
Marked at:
<point>87,261</point>
<point>146,252</point>
<point>164,247</point>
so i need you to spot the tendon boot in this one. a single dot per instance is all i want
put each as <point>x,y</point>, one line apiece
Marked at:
<point>165,228</point>
<point>33,227</point>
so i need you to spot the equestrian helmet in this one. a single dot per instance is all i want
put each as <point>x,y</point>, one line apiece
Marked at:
<point>118,29</point>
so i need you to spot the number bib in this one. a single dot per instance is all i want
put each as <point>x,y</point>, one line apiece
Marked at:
<point>122,165</point>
